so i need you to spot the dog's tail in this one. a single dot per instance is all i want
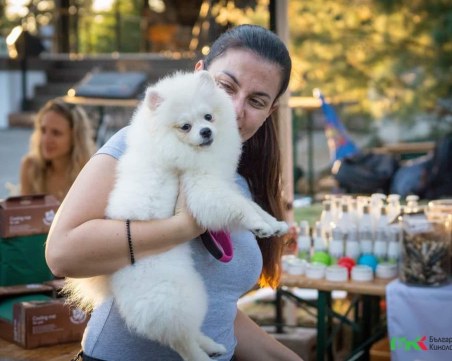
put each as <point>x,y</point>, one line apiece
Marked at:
<point>86,293</point>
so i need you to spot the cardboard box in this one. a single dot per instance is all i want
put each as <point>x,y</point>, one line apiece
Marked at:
<point>41,323</point>
<point>13,294</point>
<point>27,215</point>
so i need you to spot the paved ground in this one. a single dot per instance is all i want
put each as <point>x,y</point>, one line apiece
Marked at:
<point>13,146</point>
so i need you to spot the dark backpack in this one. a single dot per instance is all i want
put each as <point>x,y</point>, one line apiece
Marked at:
<point>439,180</point>
<point>365,172</point>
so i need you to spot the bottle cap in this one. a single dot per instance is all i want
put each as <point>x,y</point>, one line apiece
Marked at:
<point>285,261</point>
<point>336,273</point>
<point>362,273</point>
<point>368,260</point>
<point>321,257</point>
<point>315,271</point>
<point>347,262</point>
<point>296,266</point>
<point>386,270</point>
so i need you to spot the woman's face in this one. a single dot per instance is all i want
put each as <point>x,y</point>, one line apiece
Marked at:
<point>253,84</point>
<point>56,136</point>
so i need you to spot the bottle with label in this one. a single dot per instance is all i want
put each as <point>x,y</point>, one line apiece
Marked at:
<point>352,248</point>
<point>394,236</point>
<point>320,243</point>
<point>381,244</point>
<point>336,246</point>
<point>304,241</point>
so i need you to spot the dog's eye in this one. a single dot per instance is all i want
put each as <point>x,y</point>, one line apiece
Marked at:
<point>208,117</point>
<point>186,127</point>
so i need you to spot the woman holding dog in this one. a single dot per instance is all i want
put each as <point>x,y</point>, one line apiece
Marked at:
<point>253,66</point>
<point>60,145</point>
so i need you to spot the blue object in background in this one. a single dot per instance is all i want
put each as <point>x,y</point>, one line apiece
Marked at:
<point>340,143</point>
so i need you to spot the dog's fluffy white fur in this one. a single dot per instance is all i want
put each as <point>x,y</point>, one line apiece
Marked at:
<point>184,131</point>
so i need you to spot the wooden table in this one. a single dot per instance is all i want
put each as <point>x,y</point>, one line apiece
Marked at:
<point>375,288</point>
<point>366,324</point>
<point>64,352</point>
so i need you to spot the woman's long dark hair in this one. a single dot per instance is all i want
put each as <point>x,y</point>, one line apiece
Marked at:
<point>260,163</point>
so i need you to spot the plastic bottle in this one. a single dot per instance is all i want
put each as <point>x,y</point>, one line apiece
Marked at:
<point>326,218</point>
<point>393,208</point>
<point>376,204</point>
<point>345,220</point>
<point>412,205</point>
<point>336,246</point>
<point>381,245</point>
<point>383,220</point>
<point>352,248</point>
<point>304,241</point>
<point>394,236</point>
<point>365,234</point>
<point>320,243</point>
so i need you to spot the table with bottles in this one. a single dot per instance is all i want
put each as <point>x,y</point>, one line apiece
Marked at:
<point>353,246</point>
<point>359,245</point>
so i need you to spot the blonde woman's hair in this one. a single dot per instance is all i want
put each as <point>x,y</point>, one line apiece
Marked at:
<point>83,146</point>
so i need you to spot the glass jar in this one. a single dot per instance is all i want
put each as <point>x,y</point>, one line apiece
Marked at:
<point>439,209</point>
<point>425,251</point>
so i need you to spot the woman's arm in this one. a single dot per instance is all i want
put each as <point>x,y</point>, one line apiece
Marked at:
<point>81,243</point>
<point>25,184</point>
<point>253,343</point>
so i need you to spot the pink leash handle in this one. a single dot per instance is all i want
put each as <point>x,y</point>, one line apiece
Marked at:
<point>219,244</point>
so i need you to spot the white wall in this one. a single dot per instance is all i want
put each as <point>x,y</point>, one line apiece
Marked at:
<point>11,91</point>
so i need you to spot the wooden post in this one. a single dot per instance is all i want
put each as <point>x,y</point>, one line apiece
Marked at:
<point>284,113</point>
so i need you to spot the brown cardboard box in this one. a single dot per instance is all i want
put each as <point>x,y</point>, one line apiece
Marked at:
<point>40,323</point>
<point>27,215</point>
<point>11,294</point>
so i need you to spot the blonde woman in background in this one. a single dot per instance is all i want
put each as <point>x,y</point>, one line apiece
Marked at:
<point>61,143</point>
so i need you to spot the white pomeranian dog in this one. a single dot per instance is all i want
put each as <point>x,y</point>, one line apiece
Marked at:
<point>184,132</point>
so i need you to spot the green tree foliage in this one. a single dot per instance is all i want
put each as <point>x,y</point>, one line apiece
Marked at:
<point>114,29</point>
<point>392,56</point>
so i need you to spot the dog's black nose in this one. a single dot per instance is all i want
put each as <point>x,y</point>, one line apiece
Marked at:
<point>206,133</point>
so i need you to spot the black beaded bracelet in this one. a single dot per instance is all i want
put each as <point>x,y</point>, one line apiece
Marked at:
<point>129,241</point>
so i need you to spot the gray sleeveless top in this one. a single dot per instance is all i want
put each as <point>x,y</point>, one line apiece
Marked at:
<point>106,336</point>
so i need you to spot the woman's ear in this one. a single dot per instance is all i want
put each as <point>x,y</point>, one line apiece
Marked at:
<point>199,65</point>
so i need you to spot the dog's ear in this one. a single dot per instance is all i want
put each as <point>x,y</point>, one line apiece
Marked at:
<point>206,79</point>
<point>153,99</point>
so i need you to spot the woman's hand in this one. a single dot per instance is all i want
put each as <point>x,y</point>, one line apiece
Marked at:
<point>187,222</point>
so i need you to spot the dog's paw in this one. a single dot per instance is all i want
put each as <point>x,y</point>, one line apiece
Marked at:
<point>275,229</point>
<point>281,229</point>
<point>211,347</point>
<point>263,230</point>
